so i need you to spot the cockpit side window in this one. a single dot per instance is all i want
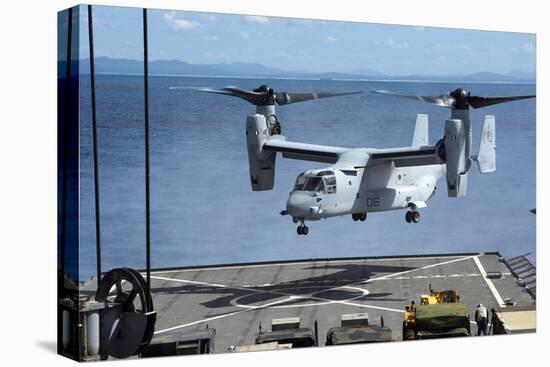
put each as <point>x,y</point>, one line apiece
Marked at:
<point>300,182</point>
<point>330,182</point>
<point>315,184</point>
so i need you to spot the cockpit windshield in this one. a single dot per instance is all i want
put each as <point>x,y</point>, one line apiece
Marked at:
<point>300,182</point>
<point>324,182</point>
<point>314,184</point>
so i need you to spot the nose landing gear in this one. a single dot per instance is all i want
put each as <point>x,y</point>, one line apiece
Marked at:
<point>302,229</point>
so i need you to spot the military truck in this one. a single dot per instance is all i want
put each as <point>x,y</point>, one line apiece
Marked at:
<point>439,315</point>
<point>200,341</point>
<point>513,320</point>
<point>355,329</point>
<point>288,331</point>
<point>259,347</point>
<point>439,321</point>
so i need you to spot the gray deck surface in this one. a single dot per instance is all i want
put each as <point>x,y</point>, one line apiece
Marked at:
<point>236,299</point>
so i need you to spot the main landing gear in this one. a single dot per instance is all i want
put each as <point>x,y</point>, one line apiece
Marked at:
<point>359,216</point>
<point>412,216</point>
<point>302,229</point>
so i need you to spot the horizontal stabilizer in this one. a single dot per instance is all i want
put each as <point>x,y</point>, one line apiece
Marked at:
<point>420,136</point>
<point>486,158</point>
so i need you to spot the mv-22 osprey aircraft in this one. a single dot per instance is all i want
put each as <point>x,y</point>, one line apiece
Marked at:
<point>367,180</point>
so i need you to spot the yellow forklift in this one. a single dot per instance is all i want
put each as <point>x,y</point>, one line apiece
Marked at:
<point>439,297</point>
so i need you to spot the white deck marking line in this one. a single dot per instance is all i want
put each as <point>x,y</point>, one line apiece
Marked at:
<point>252,290</point>
<point>222,316</point>
<point>215,285</point>
<point>434,276</point>
<point>302,263</point>
<point>364,292</point>
<point>422,268</point>
<point>369,306</point>
<point>489,282</point>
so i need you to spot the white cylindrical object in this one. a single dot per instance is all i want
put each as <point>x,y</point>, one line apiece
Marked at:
<point>66,337</point>
<point>92,334</point>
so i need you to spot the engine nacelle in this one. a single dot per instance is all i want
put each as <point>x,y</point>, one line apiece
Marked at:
<point>455,157</point>
<point>261,163</point>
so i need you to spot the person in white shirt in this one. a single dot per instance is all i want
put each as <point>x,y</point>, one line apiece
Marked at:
<point>481,319</point>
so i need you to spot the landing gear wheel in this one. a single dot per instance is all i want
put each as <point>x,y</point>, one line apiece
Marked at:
<point>408,216</point>
<point>277,129</point>
<point>415,217</point>
<point>131,322</point>
<point>302,228</point>
<point>359,216</point>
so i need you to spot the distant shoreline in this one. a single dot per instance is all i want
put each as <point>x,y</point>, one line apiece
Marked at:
<point>382,80</point>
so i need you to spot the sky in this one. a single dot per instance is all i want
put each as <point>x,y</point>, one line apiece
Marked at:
<point>305,45</point>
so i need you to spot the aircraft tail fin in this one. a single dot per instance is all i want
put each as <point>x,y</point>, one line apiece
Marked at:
<point>420,136</point>
<point>486,158</point>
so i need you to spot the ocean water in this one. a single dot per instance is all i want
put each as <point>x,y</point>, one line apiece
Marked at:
<point>204,212</point>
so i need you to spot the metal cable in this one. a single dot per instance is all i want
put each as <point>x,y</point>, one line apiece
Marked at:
<point>147,172</point>
<point>65,154</point>
<point>94,142</point>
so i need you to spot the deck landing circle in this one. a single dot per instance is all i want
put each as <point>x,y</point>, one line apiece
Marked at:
<point>296,295</point>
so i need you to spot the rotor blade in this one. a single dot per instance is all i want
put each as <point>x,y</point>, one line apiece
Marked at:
<point>442,101</point>
<point>478,102</point>
<point>249,96</point>
<point>283,98</point>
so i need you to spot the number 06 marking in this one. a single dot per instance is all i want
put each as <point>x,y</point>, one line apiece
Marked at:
<point>373,202</point>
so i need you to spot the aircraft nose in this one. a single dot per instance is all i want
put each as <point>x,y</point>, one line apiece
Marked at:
<point>298,204</point>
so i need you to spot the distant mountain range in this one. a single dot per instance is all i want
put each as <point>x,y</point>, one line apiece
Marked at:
<point>176,67</point>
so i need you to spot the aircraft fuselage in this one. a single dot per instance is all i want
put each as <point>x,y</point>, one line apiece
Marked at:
<point>349,188</point>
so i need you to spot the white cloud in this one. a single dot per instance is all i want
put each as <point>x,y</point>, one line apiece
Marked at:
<point>256,19</point>
<point>331,39</point>
<point>95,20</point>
<point>463,48</point>
<point>528,48</point>
<point>210,17</point>
<point>245,35</point>
<point>284,55</point>
<point>179,24</point>
<point>300,22</point>
<point>394,44</point>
